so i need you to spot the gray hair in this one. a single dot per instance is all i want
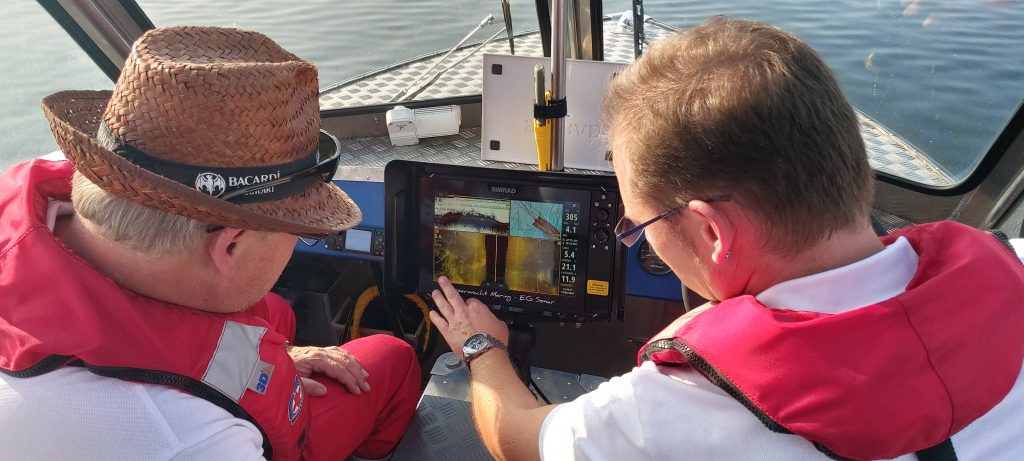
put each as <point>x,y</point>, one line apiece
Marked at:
<point>146,230</point>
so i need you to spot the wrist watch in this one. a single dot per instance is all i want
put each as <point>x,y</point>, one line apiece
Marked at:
<point>479,343</point>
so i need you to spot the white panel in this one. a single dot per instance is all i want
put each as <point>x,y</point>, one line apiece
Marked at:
<point>508,110</point>
<point>236,357</point>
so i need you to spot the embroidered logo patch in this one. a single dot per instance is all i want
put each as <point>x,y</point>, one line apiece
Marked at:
<point>260,379</point>
<point>296,401</point>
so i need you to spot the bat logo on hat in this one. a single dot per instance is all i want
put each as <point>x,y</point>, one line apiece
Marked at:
<point>211,183</point>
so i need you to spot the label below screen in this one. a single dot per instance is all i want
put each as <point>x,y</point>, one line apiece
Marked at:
<point>597,287</point>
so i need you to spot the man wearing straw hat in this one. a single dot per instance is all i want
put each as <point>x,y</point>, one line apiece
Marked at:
<point>135,319</point>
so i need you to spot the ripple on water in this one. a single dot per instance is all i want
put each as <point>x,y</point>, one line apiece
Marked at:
<point>937,73</point>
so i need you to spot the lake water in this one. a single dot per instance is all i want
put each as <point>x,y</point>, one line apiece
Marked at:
<point>943,74</point>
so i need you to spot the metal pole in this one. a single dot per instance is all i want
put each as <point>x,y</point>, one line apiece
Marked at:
<point>507,12</point>
<point>558,29</point>
<point>106,29</point>
<point>544,20</point>
<point>639,39</point>
<point>573,31</point>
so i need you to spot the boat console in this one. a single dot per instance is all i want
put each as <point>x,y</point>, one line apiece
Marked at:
<point>537,247</point>
<point>533,246</point>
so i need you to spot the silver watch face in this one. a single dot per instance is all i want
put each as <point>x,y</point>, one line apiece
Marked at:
<point>475,343</point>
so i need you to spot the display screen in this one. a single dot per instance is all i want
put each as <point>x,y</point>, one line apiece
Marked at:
<point>525,243</point>
<point>509,244</point>
<point>358,240</point>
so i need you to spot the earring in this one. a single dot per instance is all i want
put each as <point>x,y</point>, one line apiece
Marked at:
<point>727,255</point>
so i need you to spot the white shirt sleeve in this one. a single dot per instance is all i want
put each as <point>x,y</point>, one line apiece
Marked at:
<point>233,443</point>
<point>203,431</point>
<point>1018,246</point>
<point>603,424</point>
<point>674,413</point>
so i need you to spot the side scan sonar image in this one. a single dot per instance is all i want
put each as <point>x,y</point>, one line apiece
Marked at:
<point>532,265</point>
<point>472,245</point>
<point>469,214</point>
<point>460,256</point>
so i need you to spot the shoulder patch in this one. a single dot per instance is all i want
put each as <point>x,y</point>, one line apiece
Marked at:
<point>295,402</point>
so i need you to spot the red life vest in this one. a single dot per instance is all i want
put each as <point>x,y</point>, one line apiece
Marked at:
<point>57,310</point>
<point>879,381</point>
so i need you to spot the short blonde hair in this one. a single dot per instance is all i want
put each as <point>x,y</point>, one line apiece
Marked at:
<point>142,229</point>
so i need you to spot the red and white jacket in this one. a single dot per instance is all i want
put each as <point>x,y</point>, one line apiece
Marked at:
<point>897,377</point>
<point>236,361</point>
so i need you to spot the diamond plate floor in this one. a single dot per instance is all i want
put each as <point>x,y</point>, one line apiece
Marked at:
<point>887,152</point>
<point>443,426</point>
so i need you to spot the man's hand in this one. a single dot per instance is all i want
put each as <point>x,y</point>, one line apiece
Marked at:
<point>457,320</point>
<point>331,361</point>
<point>507,416</point>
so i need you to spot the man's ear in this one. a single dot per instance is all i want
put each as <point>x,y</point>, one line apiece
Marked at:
<point>222,248</point>
<point>717,229</point>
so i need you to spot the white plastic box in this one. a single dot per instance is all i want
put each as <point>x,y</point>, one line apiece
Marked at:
<point>407,126</point>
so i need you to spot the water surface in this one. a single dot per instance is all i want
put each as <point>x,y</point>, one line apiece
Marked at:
<point>944,75</point>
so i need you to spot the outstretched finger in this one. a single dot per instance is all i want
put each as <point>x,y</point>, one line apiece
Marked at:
<point>443,306</point>
<point>332,363</point>
<point>473,303</point>
<point>347,363</point>
<point>451,293</point>
<point>358,372</point>
<point>439,321</point>
<point>343,376</point>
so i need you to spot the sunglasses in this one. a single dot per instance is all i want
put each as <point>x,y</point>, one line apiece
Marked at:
<point>308,240</point>
<point>325,168</point>
<point>629,232</point>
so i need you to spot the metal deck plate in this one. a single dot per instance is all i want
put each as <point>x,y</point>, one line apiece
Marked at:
<point>363,159</point>
<point>465,79</point>
<point>442,428</point>
<point>890,154</point>
<point>887,152</point>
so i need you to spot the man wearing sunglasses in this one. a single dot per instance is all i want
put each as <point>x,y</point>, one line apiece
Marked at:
<point>135,320</point>
<point>741,162</point>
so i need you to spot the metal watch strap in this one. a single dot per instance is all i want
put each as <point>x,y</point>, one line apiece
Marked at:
<point>494,343</point>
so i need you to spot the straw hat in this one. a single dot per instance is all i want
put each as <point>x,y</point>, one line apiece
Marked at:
<point>199,112</point>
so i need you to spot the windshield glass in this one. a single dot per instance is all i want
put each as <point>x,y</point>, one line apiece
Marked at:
<point>346,39</point>
<point>944,76</point>
<point>935,81</point>
<point>40,59</point>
